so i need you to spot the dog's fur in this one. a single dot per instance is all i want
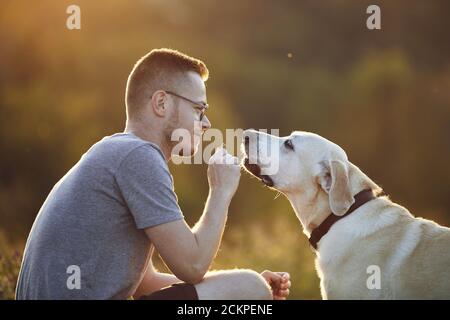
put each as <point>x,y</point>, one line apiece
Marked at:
<point>411,254</point>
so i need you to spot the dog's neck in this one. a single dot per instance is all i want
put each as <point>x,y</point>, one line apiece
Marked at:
<point>312,207</point>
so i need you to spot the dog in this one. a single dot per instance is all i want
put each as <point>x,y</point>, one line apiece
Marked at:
<point>367,247</point>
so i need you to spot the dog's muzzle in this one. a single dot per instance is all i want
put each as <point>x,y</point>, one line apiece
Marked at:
<point>253,168</point>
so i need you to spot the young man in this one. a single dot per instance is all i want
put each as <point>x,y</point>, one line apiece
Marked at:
<point>96,232</point>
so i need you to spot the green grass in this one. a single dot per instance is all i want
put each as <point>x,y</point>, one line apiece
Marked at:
<point>9,270</point>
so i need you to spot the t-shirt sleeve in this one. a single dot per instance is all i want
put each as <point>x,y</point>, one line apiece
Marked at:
<point>147,187</point>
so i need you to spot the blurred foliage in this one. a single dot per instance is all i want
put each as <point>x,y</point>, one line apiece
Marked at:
<point>9,269</point>
<point>294,65</point>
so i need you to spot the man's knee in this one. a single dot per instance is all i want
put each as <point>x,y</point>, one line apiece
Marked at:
<point>256,285</point>
<point>241,284</point>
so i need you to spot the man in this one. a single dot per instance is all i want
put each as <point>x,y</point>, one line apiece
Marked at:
<point>96,232</point>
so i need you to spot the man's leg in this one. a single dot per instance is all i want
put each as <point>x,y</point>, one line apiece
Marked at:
<point>238,284</point>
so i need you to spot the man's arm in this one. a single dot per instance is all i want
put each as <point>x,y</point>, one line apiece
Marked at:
<point>189,253</point>
<point>154,280</point>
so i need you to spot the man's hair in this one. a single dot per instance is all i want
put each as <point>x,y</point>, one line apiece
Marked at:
<point>159,70</point>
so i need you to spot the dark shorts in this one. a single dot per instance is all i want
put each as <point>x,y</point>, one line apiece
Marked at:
<point>177,291</point>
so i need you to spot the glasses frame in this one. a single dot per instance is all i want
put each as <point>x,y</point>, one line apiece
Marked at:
<point>199,105</point>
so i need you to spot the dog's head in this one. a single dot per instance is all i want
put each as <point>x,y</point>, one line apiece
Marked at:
<point>304,166</point>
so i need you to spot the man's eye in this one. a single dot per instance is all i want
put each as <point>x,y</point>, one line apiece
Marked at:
<point>288,144</point>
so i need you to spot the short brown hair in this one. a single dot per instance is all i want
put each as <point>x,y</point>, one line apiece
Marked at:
<point>158,70</point>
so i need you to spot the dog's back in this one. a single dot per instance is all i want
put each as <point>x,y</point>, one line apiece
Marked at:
<point>410,256</point>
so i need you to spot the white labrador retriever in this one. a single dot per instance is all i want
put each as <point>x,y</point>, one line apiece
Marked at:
<point>367,247</point>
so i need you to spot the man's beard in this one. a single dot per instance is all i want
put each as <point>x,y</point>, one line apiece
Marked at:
<point>168,132</point>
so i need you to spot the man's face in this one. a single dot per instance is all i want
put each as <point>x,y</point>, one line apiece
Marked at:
<point>184,126</point>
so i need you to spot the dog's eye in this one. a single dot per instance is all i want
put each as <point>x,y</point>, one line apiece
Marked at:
<point>288,144</point>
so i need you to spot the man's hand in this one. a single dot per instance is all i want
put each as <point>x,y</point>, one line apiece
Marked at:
<point>279,282</point>
<point>224,173</point>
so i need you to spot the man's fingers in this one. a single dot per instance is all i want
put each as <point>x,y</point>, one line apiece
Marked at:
<point>284,275</point>
<point>282,294</point>
<point>285,285</point>
<point>279,282</point>
<point>218,156</point>
<point>229,159</point>
<point>275,281</point>
<point>274,275</point>
<point>221,156</point>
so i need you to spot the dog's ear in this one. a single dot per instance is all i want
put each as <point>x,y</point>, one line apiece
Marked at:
<point>334,180</point>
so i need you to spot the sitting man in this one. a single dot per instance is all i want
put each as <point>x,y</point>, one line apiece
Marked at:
<point>105,218</point>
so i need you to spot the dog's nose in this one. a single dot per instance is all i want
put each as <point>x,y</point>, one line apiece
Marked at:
<point>247,134</point>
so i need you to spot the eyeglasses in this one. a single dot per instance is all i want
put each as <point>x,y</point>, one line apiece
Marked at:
<point>202,106</point>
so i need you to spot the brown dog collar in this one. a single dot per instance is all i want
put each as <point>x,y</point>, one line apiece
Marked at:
<point>360,199</point>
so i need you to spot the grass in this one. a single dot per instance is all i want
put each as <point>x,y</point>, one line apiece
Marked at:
<point>9,269</point>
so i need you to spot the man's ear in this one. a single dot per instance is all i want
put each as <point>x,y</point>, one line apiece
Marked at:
<point>333,178</point>
<point>158,103</point>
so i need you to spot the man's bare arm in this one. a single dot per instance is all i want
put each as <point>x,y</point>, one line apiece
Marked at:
<point>154,280</point>
<point>189,252</point>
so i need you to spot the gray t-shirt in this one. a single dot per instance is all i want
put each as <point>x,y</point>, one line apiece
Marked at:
<point>92,222</point>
